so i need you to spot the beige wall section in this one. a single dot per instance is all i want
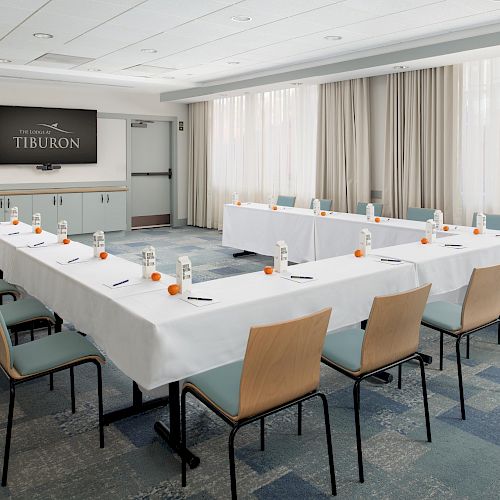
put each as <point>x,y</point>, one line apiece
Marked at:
<point>378,100</point>
<point>111,157</point>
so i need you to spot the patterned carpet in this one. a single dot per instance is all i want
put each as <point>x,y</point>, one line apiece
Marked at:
<point>56,454</point>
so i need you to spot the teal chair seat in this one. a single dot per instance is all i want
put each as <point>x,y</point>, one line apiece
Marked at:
<point>51,352</point>
<point>420,214</point>
<point>285,201</point>
<point>221,385</point>
<point>443,315</point>
<point>492,221</point>
<point>361,208</point>
<point>6,288</point>
<point>22,311</point>
<point>323,204</point>
<point>344,348</point>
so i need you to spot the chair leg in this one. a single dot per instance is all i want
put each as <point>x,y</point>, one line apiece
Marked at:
<point>8,434</point>
<point>299,419</point>
<point>467,351</point>
<point>441,341</point>
<point>72,380</point>
<point>400,373</point>
<point>460,382</point>
<point>32,331</point>
<point>183,436</point>
<point>329,443</point>
<point>262,435</point>
<point>357,397</point>
<point>16,338</point>
<point>232,465</point>
<point>101,409</point>
<point>426,403</point>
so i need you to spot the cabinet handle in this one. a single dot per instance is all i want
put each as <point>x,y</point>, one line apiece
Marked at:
<point>1,202</point>
<point>102,198</point>
<point>60,200</point>
<point>54,200</point>
<point>8,202</point>
<point>108,197</point>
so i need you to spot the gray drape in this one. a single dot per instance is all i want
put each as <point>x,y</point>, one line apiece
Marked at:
<point>343,159</point>
<point>421,141</point>
<point>198,138</point>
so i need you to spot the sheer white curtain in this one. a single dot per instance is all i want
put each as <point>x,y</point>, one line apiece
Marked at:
<point>480,151</point>
<point>261,145</point>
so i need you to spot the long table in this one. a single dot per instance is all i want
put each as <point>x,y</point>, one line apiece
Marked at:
<point>256,228</point>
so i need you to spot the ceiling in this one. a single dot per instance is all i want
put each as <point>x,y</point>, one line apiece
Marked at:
<point>179,44</point>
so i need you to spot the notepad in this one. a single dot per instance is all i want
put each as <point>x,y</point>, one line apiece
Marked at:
<point>124,282</point>
<point>454,247</point>
<point>390,262</point>
<point>35,244</point>
<point>70,260</point>
<point>199,303</point>
<point>288,276</point>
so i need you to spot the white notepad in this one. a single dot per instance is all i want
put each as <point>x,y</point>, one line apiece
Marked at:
<point>198,303</point>
<point>288,276</point>
<point>117,283</point>
<point>66,262</point>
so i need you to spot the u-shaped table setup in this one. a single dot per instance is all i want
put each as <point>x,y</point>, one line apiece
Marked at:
<point>158,340</point>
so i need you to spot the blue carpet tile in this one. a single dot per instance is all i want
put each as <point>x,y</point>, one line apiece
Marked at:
<point>56,455</point>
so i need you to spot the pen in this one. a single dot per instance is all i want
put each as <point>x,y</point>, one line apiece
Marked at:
<point>12,234</point>
<point>73,260</point>
<point>38,244</point>
<point>198,298</point>
<point>120,283</point>
<point>390,260</point>
<point>451,245</point>
<point>302,277</point>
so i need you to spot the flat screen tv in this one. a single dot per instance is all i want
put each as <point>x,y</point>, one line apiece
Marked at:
<point>47,135</point>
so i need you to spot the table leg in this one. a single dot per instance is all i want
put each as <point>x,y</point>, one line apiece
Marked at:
<point>243,254</point>
<point>172,435</point>
<point>138,406</point>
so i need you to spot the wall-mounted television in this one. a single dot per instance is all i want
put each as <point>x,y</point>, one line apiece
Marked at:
<point>47,135</point>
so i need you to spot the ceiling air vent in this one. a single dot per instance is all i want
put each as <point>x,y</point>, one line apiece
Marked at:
<point>60,61</point>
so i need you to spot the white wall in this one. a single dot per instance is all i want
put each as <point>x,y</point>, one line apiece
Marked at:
<point>111,155</point>
<point>378,100</point>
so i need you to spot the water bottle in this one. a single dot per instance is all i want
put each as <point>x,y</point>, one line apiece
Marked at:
<point>36,222</point>
<point>148,261</point>
<point>62,231</point>
<point>99,243</point>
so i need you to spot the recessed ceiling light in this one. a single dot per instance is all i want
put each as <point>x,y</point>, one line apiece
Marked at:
<point>333,38</point>
<point>241,19</point>
<point>401,67</point>
<point>149,51</point>
<point>5,61</point>
<point>233,62</point>
<point>43,35</point>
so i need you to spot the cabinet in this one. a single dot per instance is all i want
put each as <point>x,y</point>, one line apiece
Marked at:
<point>56,207</point>
<point>106,211</point>
<point>23,202</point>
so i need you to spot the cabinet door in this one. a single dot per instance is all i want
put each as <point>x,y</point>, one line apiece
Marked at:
<point>93,212</point>
<point>69,208</point>
<point>116,211</point>
<point>2,204</point>
<point>46,205</point>
<point>23,202</point>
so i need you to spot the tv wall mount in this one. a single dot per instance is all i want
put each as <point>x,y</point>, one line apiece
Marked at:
<point>48,166</point>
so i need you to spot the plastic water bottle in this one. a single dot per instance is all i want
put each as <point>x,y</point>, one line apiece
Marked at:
<point>14,214</point>
<point>438,219</point>
<point>370,211</point>
<point>316,206</point>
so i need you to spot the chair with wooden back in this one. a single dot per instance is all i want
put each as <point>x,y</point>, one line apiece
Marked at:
<point>281,369</point>
<point>480,309</point>
<point>7,289</point>
<point>391,338</point>
<point>43,357</point>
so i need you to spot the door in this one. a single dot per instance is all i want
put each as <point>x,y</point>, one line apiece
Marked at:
<point>69,208</point>
<point>23,202</point>
<point>46,206</point>
<point>116,211</point>
<point>151,173</point>
<point>93,212</point>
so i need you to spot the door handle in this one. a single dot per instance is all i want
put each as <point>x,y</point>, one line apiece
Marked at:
<point>108,197</point>
<point>169,173</point>
<point>1,202</point>
<point>54,200</point>
<point>60,200</point>
<point>8,202</point>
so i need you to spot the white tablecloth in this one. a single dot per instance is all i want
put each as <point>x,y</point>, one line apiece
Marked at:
<point>257,228</point>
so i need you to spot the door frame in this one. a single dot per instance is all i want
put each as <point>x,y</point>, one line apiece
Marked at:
<point>174,125</point>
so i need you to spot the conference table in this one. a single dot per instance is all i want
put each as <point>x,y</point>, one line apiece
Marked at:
<point>255,227</point>
<point>158,340</point>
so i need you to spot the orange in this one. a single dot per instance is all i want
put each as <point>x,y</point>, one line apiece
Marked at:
<point>268,270</point>
<point>156,276</point>
<point>323,213</point>
<point>377,219</point>
<point>238,203</point>
<point>476,231</point>
<point>173,289</point>
<point>358,253</point>
<point>275,207</point>
<point>103,255</point>
<point>446,228</point>
<point>38,230</point>
<point>66,241</point>
<point>424,241</point>
<point>15,222</point>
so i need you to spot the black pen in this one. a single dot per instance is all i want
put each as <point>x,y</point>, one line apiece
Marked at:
<point>302,277</point>
<point>12,234</point>
<point>120,283</point>
<point>38,244</point>
<point>73,260</point>
<point>390,260</point>
<point>452,245</point>
<point>198,298</point>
